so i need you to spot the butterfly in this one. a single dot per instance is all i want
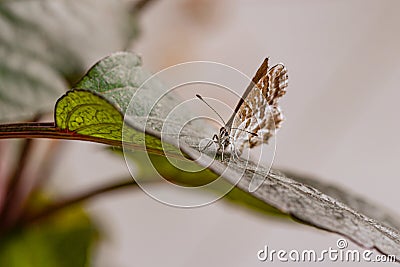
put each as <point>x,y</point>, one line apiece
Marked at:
<point>257,114</point>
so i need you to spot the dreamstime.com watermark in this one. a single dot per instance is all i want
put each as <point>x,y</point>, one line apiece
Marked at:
<point>340,253</point>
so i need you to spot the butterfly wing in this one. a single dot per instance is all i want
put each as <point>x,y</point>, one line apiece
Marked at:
<point>260,112</point>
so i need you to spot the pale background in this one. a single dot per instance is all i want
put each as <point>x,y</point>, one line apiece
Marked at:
<point>341,124</point>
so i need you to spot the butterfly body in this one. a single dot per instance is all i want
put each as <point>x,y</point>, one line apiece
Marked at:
<point>223,139</point>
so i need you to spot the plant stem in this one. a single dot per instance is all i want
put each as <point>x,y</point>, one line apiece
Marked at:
<point>15,189</point>
<point>46,130</point>
<point>49,130</point>
<point>11,204</point>
<point>52,209</point>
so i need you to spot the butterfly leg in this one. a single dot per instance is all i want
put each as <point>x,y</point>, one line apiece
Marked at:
<point>208,145</point>
<point>235,156</point>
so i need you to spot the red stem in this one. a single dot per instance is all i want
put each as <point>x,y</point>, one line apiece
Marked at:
<point>49,130</point>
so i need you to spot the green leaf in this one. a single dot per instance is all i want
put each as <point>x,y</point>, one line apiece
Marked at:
<point>97,109</point>
<point>115,80</point>
<point>45,44</point>
<point>89,114</point>
<point>86,113</point>
<point>64,240</point>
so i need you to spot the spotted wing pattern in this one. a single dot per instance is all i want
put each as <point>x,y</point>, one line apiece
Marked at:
<point>260,112</point>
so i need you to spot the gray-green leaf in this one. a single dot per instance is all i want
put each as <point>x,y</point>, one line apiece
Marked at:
<point>45,44</point>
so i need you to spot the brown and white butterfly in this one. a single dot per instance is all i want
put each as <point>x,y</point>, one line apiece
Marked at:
<point>257,114</point>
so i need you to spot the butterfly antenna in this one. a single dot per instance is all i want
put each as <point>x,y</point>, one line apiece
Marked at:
<point>253,134</point>
<point>201,98</point>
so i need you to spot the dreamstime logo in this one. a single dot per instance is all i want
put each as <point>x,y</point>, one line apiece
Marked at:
<point>166,108</point>
<point>338,254</point>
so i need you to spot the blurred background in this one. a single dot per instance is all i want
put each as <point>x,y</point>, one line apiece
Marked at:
<point>341,124</point>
